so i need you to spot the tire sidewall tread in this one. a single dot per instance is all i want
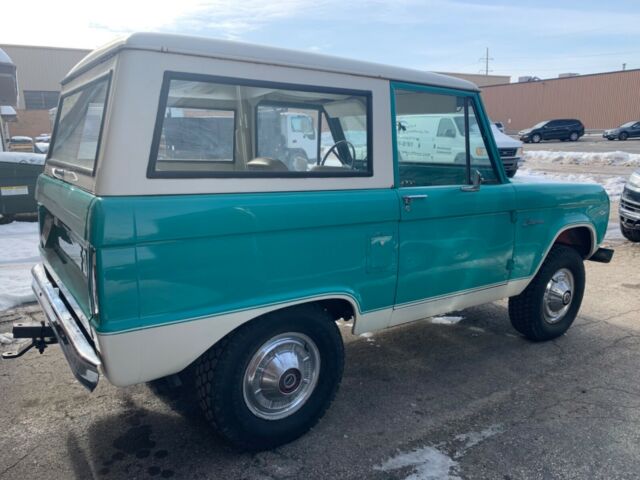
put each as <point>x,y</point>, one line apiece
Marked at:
<point>526,309</point>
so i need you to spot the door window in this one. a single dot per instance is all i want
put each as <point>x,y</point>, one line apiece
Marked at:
<point>438,140</point>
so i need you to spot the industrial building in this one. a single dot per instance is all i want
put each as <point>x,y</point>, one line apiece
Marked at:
<point>600,101</point>
<point>39,72</point>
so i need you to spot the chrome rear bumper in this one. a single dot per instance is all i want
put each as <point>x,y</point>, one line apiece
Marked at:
<point>80,353</point>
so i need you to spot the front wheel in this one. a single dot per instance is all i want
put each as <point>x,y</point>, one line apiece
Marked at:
<point>270,381</point>
<point>550,303</point>
<point>536,138</point>
<point>633,235</point>
<point>623,136</point>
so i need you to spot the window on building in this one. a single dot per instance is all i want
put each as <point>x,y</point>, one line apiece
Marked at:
<point>40,99</point>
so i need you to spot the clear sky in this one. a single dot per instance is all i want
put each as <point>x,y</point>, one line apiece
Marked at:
<point>542,38</point>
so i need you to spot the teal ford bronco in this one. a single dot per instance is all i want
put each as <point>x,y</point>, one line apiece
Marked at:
<point>178,236</point>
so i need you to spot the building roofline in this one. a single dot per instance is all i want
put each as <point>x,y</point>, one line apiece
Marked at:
<point>542,80</point>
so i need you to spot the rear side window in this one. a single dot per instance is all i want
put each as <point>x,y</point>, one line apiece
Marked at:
<point>78,128</point>
<point>220,127</point>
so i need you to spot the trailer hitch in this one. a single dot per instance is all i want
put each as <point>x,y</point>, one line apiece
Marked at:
<point>40,334</point>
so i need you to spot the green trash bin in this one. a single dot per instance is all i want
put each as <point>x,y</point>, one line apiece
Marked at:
<point>18,176</point>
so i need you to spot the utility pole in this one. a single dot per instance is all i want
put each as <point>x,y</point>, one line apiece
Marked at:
<point>624,66</point>
<point>486,59</point>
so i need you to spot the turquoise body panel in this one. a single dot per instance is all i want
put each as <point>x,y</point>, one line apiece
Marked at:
<point>169,259</point>
<point>543,210</point>
<point>181,257</point>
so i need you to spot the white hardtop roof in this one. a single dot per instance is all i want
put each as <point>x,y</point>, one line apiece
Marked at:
<point>229,50</point>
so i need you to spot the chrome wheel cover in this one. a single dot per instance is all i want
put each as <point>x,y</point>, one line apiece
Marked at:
<point>281,376</point>
<point>558,296</point>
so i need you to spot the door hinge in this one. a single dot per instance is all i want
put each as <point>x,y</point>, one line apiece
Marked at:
<point>510,264</point>
<point>514,216</point>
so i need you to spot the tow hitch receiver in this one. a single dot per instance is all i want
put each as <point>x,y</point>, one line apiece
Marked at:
<point>40,334</point>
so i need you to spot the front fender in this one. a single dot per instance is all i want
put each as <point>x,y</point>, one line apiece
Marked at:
<point>545,211</point>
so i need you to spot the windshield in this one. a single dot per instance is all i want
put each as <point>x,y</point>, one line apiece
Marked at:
<point>473,125</point>
<point>627,125</point>
<point>541,124</point>
<point>75,141</point>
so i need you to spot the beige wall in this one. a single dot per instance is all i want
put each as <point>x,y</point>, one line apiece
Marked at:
<point>600,101</point>
<point>38,68</point>
<point>41,68</point>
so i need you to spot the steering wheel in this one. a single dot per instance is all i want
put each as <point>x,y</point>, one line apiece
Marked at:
<point>333,148</point>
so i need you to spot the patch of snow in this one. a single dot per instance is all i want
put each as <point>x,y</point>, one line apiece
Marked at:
<point>613,232</point>
<point>23,157</point>
<point>472,439</point>
<point>368,336</point>
<point>432,463</point>
<point>445,320</point>
<point>428,463</point>
<point>18,253</point>
<point>617,158</point>
<point>612,185</point>
<point>6,338</point>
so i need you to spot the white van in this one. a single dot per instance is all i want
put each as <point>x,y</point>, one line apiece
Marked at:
<point>435,138</point>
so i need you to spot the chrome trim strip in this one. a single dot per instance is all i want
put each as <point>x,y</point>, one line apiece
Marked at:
<point>80,354</point>
<point>629,213</point>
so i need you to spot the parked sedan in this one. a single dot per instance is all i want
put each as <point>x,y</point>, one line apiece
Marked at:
<point>561,129</point>
<point>624,131</point>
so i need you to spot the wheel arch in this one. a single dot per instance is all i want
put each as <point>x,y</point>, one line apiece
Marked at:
<point>581,237</point>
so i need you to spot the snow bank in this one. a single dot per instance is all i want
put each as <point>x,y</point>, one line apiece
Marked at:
<point>23,157</point>
<point>613,185</point>
<point>18,253</point>
<point>623,159</point>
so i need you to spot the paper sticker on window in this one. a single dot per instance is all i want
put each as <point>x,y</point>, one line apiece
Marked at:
<point>9,191</point>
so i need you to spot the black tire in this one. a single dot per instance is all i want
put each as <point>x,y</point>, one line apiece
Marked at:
<point>220,373</point>
<point>536,138</point>
<point>574,136</point>
<point>623,136</point>
<point>4,219</point>
<point>526,309</point>
<point>633,235</point>
<point>511,173</point>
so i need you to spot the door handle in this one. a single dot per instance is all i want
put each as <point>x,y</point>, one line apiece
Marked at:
<point>407,199</point>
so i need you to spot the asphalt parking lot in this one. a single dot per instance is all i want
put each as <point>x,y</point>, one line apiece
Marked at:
<point>469,400</point>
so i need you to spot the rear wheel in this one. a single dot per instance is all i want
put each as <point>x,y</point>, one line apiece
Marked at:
<point>270,381</point>
<point>4,219</point>
<point>536,138</point>
<point>633,235</point>
<point>623,136</point>
<point>574,136</point>
<point>550,303</point>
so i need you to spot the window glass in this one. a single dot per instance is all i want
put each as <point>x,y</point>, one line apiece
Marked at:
<point>197,134</point>
<point>431,140</point>
<point>75,142</point>
<point>226,128</point>
<point>288,134</point>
